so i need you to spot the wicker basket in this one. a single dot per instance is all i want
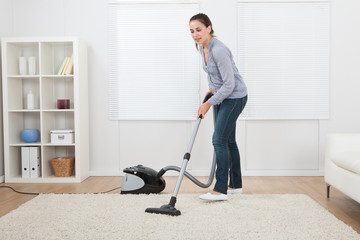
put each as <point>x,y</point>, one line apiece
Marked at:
<point>63,166</point>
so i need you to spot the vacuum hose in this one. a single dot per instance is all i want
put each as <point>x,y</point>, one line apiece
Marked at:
<point>188,175</point>
<point>192,178</point>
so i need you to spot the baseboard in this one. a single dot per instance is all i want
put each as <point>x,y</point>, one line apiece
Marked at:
<point>2,179</point>
<point>105,173</point>
<point>284,173</point>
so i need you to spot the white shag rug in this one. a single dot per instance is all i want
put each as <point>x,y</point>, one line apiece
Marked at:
<point>115,216</point>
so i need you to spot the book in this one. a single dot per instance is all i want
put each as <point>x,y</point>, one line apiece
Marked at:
<point>34,157</point>
<point>66,64</point>
<point>62,66</point>
<point>70,67</point>
<point>25,162</point>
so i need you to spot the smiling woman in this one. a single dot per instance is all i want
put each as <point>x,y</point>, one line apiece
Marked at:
<point>201,29</point>
<point>229,99</point>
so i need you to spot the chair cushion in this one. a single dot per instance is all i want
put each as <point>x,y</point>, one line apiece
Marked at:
<point>348,160</point>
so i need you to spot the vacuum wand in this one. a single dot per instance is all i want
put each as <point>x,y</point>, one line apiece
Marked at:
<point>188,175</point>
<point>170,209</point>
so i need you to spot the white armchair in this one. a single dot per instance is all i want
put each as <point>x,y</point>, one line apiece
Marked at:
<point>342,164</point>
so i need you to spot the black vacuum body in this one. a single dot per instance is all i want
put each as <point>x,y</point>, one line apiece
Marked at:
<point>140,179</point>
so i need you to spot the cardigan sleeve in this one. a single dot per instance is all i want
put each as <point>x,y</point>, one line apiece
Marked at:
<point>223,62</point>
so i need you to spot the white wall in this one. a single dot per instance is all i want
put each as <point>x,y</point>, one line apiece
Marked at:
<point>267,147</point>
<point>5,30</point>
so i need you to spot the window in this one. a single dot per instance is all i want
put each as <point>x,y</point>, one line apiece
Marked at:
<point>284,58</point>
<point>154,66</point>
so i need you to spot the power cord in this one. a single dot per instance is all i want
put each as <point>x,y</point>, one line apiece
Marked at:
<point>19,191</point>
<point>67,193</point>
<point>108,191</point>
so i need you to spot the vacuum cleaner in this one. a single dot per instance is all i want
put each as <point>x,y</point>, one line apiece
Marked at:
<point>140,179</point>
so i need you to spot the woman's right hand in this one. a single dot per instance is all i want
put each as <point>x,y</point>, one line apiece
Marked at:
<point>210,91</point>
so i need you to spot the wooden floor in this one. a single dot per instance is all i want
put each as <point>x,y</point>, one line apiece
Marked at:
<point>338,204</point>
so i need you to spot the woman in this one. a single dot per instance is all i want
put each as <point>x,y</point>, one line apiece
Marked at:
<point>229,99</point>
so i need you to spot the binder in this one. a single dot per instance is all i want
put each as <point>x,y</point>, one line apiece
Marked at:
<point>25,163</point>
<point>34,162</point>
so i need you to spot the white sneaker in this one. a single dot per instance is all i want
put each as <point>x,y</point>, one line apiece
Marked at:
<point>212,197</point>
<point>235,191</point>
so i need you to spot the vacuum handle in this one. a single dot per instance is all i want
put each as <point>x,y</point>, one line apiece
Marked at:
<point>208,96</point>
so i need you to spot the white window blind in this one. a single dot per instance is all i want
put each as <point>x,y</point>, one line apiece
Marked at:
<point>154,66</point>
<point>283,55</point>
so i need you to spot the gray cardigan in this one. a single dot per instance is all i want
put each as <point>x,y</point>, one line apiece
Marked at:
<point>223,75</point>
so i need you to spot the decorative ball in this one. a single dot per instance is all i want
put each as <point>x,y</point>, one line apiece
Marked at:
<point>30,135</point>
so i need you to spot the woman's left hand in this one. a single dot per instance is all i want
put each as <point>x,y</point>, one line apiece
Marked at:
<point>203,109</point>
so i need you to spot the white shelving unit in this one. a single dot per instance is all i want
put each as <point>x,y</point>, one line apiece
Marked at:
<point>47,87</point>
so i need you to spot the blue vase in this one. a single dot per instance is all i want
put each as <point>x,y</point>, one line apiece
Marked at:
<point>30,135</point>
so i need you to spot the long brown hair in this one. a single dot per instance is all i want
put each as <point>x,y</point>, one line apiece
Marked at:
<point>204,19</point>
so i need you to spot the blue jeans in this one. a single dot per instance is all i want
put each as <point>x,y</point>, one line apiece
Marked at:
<point>224,142</point>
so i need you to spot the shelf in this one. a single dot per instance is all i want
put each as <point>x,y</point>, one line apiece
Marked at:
<point>59,178</point>
<point>50,152</point>
<point>20,121</point>
<point>24,110</point>
<point>55,88</point>
<point>23,76</point>
<point>59,145</point>
<point>47,87</point>
<point>54,120</point>
<point>19,87</point>
<point>25,144</point>
<point>38,110</point>
<point>58,76</point>
<point>48,179</point>
<point>53,55</point>
<point>38,76</point>
<point>20,49</point>
<point>58,110</point>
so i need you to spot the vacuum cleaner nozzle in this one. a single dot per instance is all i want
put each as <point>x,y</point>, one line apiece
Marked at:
<point>164,209</point>
<point>168,209</point>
